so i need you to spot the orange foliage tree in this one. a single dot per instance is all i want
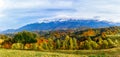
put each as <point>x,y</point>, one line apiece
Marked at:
<point>88,33</point>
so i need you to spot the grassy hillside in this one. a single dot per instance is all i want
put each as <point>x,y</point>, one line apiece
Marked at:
<point>58,53</point>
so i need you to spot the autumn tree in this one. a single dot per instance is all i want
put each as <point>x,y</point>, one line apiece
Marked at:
<point>71,44</point>
<point>87,45</point>
<point>105,44</point>
<point>110,43</point>
<point>45,46</point>
<point>50,43</point>
<point>58,44</point>
<point>94,45</point>
<point>63,45</point>
<point>3,38</point>
<point>66,42</point>
<point>100,42</point>
<point>103,34</point>
<point>75,45</point>
<point>81,45</point>
<point>7,43</point>
<point>89,33</point>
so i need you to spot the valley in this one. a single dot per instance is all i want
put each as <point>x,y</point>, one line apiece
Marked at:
<point>68,43</point>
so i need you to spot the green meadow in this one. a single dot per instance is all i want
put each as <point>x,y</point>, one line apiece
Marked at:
<point>115,52</point>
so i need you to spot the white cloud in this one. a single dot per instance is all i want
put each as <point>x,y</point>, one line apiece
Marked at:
<point>2,3</point>
<point>18,10</point>
<point>18,4</point>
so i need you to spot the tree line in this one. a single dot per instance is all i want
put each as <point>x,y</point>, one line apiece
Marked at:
<point>61,39</point>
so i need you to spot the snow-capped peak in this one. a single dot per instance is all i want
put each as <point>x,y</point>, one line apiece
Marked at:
<point>61,18</point>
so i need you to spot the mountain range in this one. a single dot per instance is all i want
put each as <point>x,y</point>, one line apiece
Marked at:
<point>64,24</point>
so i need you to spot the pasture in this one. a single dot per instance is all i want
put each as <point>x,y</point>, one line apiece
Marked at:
<point>114,52</point>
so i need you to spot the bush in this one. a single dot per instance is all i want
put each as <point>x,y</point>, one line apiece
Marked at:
<point>40,47</point>
<point>17,46</point>
<point>31,46</point>
<point>1,41</point>
<point>7,45</point>
<point>35,46</point>
<point>28,46</point>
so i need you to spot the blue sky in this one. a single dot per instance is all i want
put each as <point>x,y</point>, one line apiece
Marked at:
<point>17,13</point>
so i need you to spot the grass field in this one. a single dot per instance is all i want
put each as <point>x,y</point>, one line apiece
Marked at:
<point>115,52</point>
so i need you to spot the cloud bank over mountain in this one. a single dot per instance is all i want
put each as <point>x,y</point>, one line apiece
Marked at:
<point>16,13</point>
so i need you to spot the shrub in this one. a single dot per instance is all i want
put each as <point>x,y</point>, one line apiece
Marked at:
<point>28,46</point>
<point>35,46</point>
<point>31,46</point>
<point>17,46</point>
<point>1,41</point>
<point>40,47</point>
<point>7,45</point>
